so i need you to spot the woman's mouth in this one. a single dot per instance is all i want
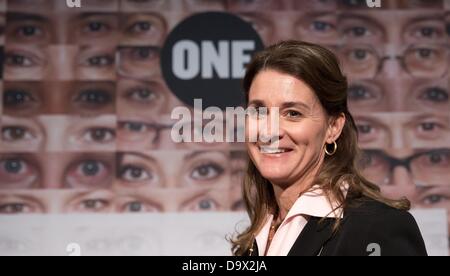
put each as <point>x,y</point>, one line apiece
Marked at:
<point>273,150</point>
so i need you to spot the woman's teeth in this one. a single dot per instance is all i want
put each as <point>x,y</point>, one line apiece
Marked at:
<point>267,150</point>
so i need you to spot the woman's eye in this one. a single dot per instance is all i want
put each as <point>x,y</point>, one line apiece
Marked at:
<point>93,205</point>
<point>365,128</point>
<point>17,173</point>
<point>136,127</point>
<point>16,133</point>
<point>17,97</point>
<point>100,61</point>
<point>424,54</point>
<point>321,26</point>
<point>100,135</point>
<point>438,159</point>
<point>357,31</point>
<point>368,131</point>
<point>293,114</point>
<point>140,27</point>
<point>434,199</point>
<point>428,126</point>
<point>89,168</point>
<point>141,95</point>
<point>139,207</point>
<point>203,205</point>
<point>89,173</point>
<point>134,207</point>
<point>19,60</point>
<point>427,32</point>
<point>14,167</point>
<point>360,54</point>
<point>96,27</point>
<point>140,54</point>
<point>435,94</point>
<point>359,93</point>
<point>94,97</point>
<point>15,208</point>
<point>132,173</point>
<point>207,172</point>
<point>29,31</point>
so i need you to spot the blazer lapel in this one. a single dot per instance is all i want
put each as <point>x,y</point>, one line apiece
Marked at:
<point>313,237</point>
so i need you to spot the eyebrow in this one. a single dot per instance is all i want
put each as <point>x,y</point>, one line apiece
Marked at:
<point>139,155</point>
<point>259,103</point>
<point>350,16</point>
<point>197,153</point>
<point>433,17</point>
<point>102,14</point>
<point>295,104</point>
<point>15,16</point>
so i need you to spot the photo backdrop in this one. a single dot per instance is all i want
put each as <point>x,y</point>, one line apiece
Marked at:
<point>85,114</point>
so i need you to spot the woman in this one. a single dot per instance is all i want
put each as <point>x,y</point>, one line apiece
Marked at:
<point>306,196</point>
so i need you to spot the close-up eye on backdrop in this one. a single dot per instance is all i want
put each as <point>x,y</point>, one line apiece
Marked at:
<point>87,120</point>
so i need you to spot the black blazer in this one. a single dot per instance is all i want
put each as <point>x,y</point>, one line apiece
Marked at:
<point>371,222</point>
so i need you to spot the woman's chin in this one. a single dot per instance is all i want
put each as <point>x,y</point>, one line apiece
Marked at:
<point>274,175</point>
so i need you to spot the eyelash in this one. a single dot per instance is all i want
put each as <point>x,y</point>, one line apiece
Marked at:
<point>105,60</point>
<point>140,54</point>
<point>88,135</point>
<point>97,169</point>
<point>217,170</point>
<point>195,204</point>
<point>127,125</point>
<point>360,93</point>
<point>289,113</point>
<point>143,207</point>
<point>104,27</point>
<point>20,60</point>
<point>16,208</point>
<point>10,97</point>
<point>94,97</point>
<point>443,93</point>
<point>135,94</point>
<point>330,27</point>
<point>131,29</point>
<point>19,31</point>
<point>6,134</point>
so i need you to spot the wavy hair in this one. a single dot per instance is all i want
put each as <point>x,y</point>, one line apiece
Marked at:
<point>319,68</point>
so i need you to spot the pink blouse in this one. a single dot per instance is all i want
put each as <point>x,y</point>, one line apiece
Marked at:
<point>313,203</point>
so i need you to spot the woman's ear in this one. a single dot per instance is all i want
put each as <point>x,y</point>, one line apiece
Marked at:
<point>335,127</point>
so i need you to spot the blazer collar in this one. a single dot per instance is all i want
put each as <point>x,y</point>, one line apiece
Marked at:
<point>313,238</point>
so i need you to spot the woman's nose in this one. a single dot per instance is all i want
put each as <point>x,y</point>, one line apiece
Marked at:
<point>271,131</point>
<point>61,63</point>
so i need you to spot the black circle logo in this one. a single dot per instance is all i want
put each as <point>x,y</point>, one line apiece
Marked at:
<point>204,57</point>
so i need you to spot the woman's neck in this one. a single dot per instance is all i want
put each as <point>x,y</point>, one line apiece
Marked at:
<point>287,195</point>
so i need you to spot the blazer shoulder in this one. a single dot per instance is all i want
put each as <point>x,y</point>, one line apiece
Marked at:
<point>395,230</point>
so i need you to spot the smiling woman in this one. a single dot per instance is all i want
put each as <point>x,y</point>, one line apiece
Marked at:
<point>306,195</point>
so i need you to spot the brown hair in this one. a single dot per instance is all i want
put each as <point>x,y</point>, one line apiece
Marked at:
<point>319,68</point>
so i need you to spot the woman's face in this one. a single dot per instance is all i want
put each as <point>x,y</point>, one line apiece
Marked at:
<point>302,128</point>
